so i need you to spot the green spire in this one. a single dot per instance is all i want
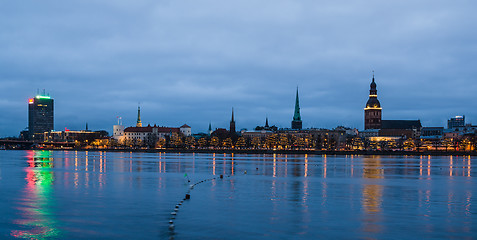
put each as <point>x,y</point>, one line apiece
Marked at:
<point>296,116</point>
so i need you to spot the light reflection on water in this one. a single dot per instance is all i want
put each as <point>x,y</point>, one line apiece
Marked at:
<point>36,219</point>
<point>130,195</point>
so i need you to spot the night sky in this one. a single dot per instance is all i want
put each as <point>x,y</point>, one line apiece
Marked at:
<point>192,61</point>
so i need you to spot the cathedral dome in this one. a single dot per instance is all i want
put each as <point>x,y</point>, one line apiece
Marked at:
<point>373,103</point>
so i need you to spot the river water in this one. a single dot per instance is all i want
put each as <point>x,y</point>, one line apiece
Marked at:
<point>112,195</point>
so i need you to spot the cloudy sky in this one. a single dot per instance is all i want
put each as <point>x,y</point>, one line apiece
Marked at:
<point>191,61</point>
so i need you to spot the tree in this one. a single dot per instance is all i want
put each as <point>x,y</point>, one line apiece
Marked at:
<point>447,143</point>
<point>227,143</point>
<point>203,142</point>
<point>283,142</point>
<point>113,143</point>
<point>409,144</point>
<point>136,143</point>
<point>150,140</point>
<point>308,141</point>
<point>357,143</point>
<point>271,141</point>
<point>256,142</point>
<point>299,142</point>
<point>176,140</point>
<point>189,142</point>
<point>214,142</point>
<point>240,143</point>
<point>161,143</point>
<point>465,144</point>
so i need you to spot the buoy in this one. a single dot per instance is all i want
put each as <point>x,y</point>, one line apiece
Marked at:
<point>176,209</point>
<point>187,196</point>
<point>221,176</point>
<point>173,213</point>
<point>245,172</point>
<point>171,222</point>
<point>171,226</point>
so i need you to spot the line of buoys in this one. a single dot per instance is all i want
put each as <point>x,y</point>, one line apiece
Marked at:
<point>187,197</point>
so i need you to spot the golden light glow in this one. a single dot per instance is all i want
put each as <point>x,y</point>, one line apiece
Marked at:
<point>373,108</point>
<point>324,166</point>
<point>306,165</point>
<point>213,164</point>
<point>274,165</point>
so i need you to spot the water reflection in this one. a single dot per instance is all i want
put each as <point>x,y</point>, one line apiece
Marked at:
<point>372,194</point>
<point>36,220</point>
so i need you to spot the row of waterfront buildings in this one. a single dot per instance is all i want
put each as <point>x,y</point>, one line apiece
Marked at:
<point>41,125</point>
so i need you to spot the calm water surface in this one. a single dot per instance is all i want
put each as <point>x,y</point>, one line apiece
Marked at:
<point>108,195</point>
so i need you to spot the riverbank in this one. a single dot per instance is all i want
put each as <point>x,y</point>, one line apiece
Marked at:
<point>267,151</point>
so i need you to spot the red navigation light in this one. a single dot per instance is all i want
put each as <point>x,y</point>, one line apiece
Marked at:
<point>31,100</point>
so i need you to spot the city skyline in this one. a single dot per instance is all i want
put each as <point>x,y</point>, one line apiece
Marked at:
<point>99,63</point>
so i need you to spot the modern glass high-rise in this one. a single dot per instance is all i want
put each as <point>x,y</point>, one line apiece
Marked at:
<point>40,116</point>
<point>455,122</point>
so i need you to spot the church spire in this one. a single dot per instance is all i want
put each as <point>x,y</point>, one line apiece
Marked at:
<point>210,128</point>
<point>232,123</point>
<point>266,122</point>
<point>138,124</point>
<point>297,115</point>
<point>296,123</point>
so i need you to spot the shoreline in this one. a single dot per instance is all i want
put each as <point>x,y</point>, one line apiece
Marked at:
<point>265,151</point>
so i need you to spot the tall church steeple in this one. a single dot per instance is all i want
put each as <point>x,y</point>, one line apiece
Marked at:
<point>297,123</point>
<point>232,123</point>
<point>138,124</point>
<point>372,112</point>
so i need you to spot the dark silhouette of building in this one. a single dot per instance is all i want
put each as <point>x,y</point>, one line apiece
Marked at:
<point>297,123</point>
<point>372,112</point>
<point>267,127</point>
<point>232,123</point>
<point>400,128</point>
<point>40,116</point>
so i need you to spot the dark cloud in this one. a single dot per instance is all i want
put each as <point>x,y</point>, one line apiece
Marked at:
<point>192,61</point>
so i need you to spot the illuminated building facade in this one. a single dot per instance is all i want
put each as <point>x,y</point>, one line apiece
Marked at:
<point>40,116</point>
<point>186,130</point>
<point>297,123</point>
<point>372,112</point>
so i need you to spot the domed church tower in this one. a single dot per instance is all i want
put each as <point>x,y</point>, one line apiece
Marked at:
<point>372,112</point>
